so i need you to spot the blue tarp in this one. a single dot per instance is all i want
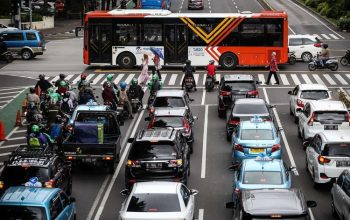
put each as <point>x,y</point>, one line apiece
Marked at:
<point>85,133</point>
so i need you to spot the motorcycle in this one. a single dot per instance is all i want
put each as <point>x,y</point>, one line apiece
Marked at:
<point>7,56</point>
<point>292,58</point>
<point>135,101</point>
<point>151,98</point>
<point>331,64</point>
<point>122,111</point>
<point>345,60</point>
<point>189,83</point>
<point>209,83</point>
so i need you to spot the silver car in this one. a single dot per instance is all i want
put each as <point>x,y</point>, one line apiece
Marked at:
<point>340,196</point>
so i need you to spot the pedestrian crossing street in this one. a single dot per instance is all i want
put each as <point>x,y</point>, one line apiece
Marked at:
<point>175,79</point>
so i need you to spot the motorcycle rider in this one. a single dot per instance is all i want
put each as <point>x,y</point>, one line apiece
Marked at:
<point>67,104</point>
<point>72,96</point>
<point>188,69</point>
<point>136,90</point>
<point>83,83</point>
<point>37,138</point>
<point>32,97</point>
<point>108,95</point>
<point>123,97</point>
<point>54,96</point>
<point>211,70</point>
<point>62,84</point>
<point>324,56</point>
<point>110,82</point>
<point>86,96</point>
<point>43,84</point>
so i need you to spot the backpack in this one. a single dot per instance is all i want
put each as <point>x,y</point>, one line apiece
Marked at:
<point>34,142</point>
<point>65,105</point>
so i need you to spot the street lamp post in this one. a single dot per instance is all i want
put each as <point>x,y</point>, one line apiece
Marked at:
<point>30,14</point>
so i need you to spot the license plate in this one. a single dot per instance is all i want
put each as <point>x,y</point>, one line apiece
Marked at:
<point>89,160</point>
<point>343,163</point>
<point>257,150</point>
<point>134,100</point>
<point>120,108</point>
<point>331,127</point>
<point>153,165</point>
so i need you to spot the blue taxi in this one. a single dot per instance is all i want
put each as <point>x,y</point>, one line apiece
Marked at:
<point>255,137</point>
<point>23,202</point>
<point>261,172</point>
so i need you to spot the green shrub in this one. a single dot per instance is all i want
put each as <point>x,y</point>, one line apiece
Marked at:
<point>344,23</point>
<point>323,8</point>
<point>35,17</point>
<point>312,3</point>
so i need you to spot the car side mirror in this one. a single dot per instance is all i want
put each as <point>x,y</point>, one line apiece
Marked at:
<point>194,192</point>
<point>130,140</point>
<point>272,106</point>
<point>280,129</point>
<point>311,204</point>
<point>72,199</point>
<point>124,192</point>
<point>230,205</point>
<point>289,92</point>
<point>234,167</point>
<point>148,119</point>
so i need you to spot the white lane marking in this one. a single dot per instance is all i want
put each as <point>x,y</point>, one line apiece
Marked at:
<point>163,77</point>
<point>329,79</point>
<point>89,77</point>
<point>6,97</point>
<point>9,101</point>
<point>172,79</point>
<point>75,81</point>
<point>325,36</point>
<point>318,79</point>
<point>8,92</point>
<point>196,77</point>
<point>204,150</point>
<point>285,141</point>
<point>284,79</point>
<point>347,75</point>
<point>272,79</point>
<point>295,79</point>
<point>291,30</point>
<point>98,197</point>
<point>20,131</point>
<point>316,18</point>
<point>16,88</point>
<point>218,77</point>
<point>335,37</point>
<point>200,214</point>
<point>6,101</point>
<point>5,154</point>
<point>11,146</point>
<point>311,214</point>
<point>115,175</point>
<point>262,79</point>
<point>16,138</point>
<point>341,79</point>
<point>55,79</point>
<point>204,79</point>
<point>119,77</point>
<point>318,36</point>
<point>203,96</point>
<point>129,78</point>
<point>306,78</point>
<point>68,77</point>
<point>97,79</point>
<point>9,135</point>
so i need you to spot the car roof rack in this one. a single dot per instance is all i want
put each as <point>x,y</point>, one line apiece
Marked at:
<point>24,151</point>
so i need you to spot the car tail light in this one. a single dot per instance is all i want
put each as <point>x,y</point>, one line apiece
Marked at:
<point>275,147</point>
<point>70,158</point>
<point>300,103</point>
<point>312,119</point>
<point>175,163</point>
<point>237,191</point>
<point>234,121</point>
<point>151,124</point>
<point>253,93</point>
<point>50,184</point>
<point>186,125</point>
<point>225,93</point>
<point>2,185</point>
<point>348,116</point>
<point>323,176</point>
<point>322,160</point>
<point>133,163</point>
<point>267,119</point>
<point>317,45</point>
<point>238,147</point>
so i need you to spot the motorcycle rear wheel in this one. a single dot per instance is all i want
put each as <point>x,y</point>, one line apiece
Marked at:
<point>292,60</point>
<point>344,61</point>
<point>334,67</point>
<point>312,67</point>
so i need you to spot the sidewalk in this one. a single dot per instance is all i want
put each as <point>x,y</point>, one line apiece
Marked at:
<point>62,26</point>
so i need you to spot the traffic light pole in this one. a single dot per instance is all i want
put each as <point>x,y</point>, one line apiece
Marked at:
<point>19,17</point>
<point>30,14</point>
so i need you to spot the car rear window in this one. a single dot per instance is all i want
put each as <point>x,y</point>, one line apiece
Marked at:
<point>314,94</point>
<point>24,173</point>
<point>149,150</point>
<point>168,121</point>
<point>250,109</point>
<point>262,177</point>
<point>156,202</point>
<point>294,217</point>
<point>169,102</point>
<point>240,86</point>
<point>256,134</point>
<point>336,150</point>
<point>31,36</point>
<point>22,212</point>
<point>330,116</point>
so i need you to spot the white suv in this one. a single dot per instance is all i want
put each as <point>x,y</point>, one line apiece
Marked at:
<point>305,92</point>
<point>321,115</point>
<point>304,46</point>
<point>328,155</point>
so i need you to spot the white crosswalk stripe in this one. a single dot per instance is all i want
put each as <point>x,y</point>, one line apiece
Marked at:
<point>173,79</point>
<point>77,78</point>
<point>97,79</point>
<point>88,78</point>
<point>119,77</point>
<point>129,78</point>
<point>325,36</point>
<point>295,79</point>
<point>284,79</point>
<point>68,77</point>
<point>163,77</point>
<point>318,79</point>
<point>55,79</point>
<point>335,37</point>
<point>329,79</point>
<point>196,77</point>
<point>262,79</point>
<point>306,78</point>
<point>318,36</point>
<point>341,79</point>
<point>347,75</point>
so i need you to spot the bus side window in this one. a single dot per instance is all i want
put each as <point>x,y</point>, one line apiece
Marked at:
<point>274,32</point>
<point>152,34</point>
<point>126,34</point>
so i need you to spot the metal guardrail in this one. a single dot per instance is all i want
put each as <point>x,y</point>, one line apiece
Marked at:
<point>344,96</point>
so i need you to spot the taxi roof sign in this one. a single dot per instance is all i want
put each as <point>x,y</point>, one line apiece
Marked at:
<point>263,158</point>
<point>256,119</point>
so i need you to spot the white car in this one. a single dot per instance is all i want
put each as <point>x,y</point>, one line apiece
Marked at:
<point>158,200</point>
<point>304,92</point>
<point>304,46</point>
<point>5,28</point>
<point>321,115</point>
<point>328,155</point>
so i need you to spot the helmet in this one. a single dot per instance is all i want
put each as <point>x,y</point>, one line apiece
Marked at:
<point>109,77</point>
<point>62,76</point>
<point>123,85</point>
<point>325,46</point>
<point>32,90</point>
<point>66,95</point>
<point>42,76</point>
<point>134,82</point>
<point>35,129</point>
<point>83,76</point>
<point>188,61</point>
<point>63,83</point>
<point>58,118</point>
<point>211,61</point>
<point>50,90</point>
<point>155,77</point>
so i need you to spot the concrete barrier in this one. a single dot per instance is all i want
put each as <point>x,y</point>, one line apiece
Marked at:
<point>344,96</point>
<point>47,22</point>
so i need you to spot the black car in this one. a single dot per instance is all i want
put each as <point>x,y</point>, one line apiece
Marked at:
<point>244,110</point>
<point>235,86</point>
<point>158,154</point>
<point>49,167</point>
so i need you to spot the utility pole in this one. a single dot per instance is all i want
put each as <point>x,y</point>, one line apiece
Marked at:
<point>19,16</point>
<point>30,14</point>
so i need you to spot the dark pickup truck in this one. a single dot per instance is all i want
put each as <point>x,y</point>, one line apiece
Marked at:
<point>95,138</point>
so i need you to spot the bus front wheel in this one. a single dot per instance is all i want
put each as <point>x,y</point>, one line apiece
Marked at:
<point>126,60</point>
<point>229,61</point>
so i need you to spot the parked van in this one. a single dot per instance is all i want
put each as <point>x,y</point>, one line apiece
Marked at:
<point>26,43</point>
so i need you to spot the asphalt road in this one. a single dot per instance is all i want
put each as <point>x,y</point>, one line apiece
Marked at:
<point>97,193</point>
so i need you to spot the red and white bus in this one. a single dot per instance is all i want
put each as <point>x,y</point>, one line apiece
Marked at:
<point>120,37</point>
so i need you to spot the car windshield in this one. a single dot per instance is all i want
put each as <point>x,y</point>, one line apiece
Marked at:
<point>314,94</point>
<point>168,121</point>
<point>156,202</point>
<point>169,102</point>
<point>22,174</point>
<point>240,86</point>
<point>256,134</point>
<point>330,116</point>
<point>11,212</point>
<point>149,150</point>
<point>262,177</point>
<point>250,109</point>
<point>336,150</point>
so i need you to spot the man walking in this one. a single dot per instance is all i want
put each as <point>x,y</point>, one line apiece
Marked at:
<point>273,69</point>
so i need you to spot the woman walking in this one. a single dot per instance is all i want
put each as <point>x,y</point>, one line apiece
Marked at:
<point>143,78</point>
<point>157,66</point>
<point>273,69</point>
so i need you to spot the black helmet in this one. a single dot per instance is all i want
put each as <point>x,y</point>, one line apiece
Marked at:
<point>325,46</point>
<point>32,90</point>
<point>62,76</point>
<point>188,61</point>
<point>58,118</point>
<point>42,76</point>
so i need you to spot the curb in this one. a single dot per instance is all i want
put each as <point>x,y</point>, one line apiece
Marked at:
<point>266,5</point>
